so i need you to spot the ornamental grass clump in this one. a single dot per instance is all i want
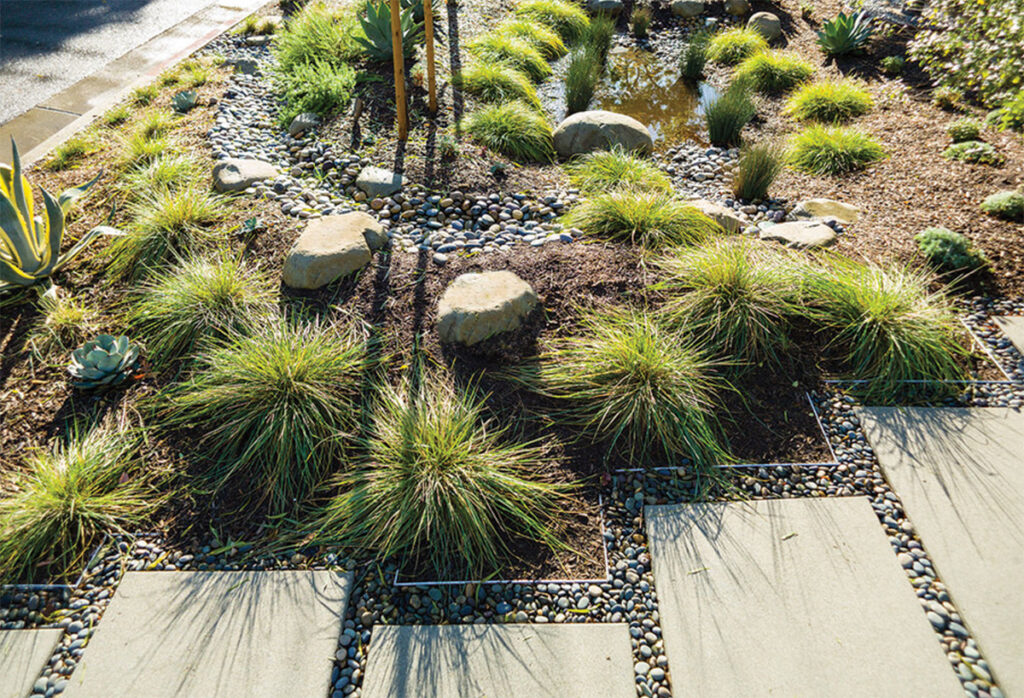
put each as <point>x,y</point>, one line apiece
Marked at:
<point>496,83</point>
<point>604,170</point>
<point>832,150</point>
<point>727,114</point>
<point>949,251</point>
<point>67,497</point>
<point>733,45</point>
<point>441,484</point>
<point>648,219</point>
<point>829,101</point>
<point>648,392</point>
<point>64,323</point>
<point>200,300</point>
<point>694,56</point>
<point>318,33</point>
<point>887,328</point>
<point>640,21</point>
<point>581,78</point>
<point>758,167</point>
<point>318,87</point>
<point>543,38</point>
<point>772,72</point>
<point>163,172</point>
<point>273,410</point>
<point>71,151</point>
<point>514,130</point>
<point>737,296</point>
<point>518,54</point>
<point>567,18</point>
<point>167,225</point>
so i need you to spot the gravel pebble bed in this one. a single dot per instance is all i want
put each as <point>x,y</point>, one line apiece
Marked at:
<point>978,313</point>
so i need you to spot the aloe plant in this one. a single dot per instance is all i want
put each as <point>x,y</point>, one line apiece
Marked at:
<point>376,25</point>
<point>29,243</point>
<point>845,34</point>
<point>184,101</point>
<point>103,362</point>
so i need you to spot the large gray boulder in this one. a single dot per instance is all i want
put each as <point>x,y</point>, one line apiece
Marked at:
<point>587,131</point>
<point>826,208</point>
<point>800,234</point>
<point>376,181</point>
<point>737,7</point>
<point>331,248</point>
<point>725,217</point>
<point>687,8</point>
<point>480,305</point>
<point>236,174</point>
<point>766,24</point>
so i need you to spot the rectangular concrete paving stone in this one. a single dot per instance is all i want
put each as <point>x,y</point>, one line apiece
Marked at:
<point>499,661</point>
<point>223,634</point>
<point>1013,327</point>
<point>23,654</point>
<point>960,475</point>
<point>801,598</point>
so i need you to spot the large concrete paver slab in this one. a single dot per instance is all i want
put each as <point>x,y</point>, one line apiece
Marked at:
<point>23,654</point>
<point>960,475</point>
<point>795,597</point>
<point>499,661</point>
<point>223,634</point>
<point>1013,327</point>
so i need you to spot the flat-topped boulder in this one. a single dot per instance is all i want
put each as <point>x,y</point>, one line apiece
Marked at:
<point>687,8</point>
<point>238,174</point>
<point>587,131</point>
<point>766,24</point>
<point>725,217</point>
<point>331,248</point>
<point>800,235</point>
<point>378,182</point>
<point>826,208</point>
<point>477,306</point>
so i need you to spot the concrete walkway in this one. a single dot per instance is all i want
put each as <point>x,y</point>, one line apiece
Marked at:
<point>224,634</point>
<point>1013,328</point>
<point>960,476</point>
<point>62,60</point>
<point>800,598</point>
<point>23,654</point>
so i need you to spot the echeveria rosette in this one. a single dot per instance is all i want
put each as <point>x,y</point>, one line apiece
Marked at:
<point>104,362</point>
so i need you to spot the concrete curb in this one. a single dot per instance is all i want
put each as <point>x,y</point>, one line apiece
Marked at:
<point>50,123</point>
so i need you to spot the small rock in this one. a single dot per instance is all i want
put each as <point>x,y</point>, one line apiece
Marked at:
<point>378,182</point>
<point>302,123</point>
<point>737,7</point>
<point>608,7</point>
<point>800,234</point>
<point>826,208</point>
<point>587,131</point>
<point>244,66</point>
<point>328,249</point>
<point>725,217</point>
<point>236,174</point>
<point>480,305</point>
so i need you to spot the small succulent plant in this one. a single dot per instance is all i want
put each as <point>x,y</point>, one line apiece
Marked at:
<point>376,25</point>
<point>845,34</point>
<point>104,362</point>
<point>184,101</point>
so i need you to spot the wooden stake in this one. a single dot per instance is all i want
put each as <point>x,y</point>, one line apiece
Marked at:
<point>428,18</point>
<point>398,59</point>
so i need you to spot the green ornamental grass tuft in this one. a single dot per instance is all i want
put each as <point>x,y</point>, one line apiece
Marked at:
<point>640,21</point>
<point>888,327</point>
<point>1008,205</point>
<point>164,172</point>
<point>581,78</point>
<point>117,116</point>
<point>442,485</point>
<point>832,150</point>
<point>733,45</point>
<point>649,219</point>
<point>319,87</point>
<point>772,72</point>
<point>598,37</point>
<point>948,250</point>
<point>975,152</point>
<point>604,170</point>
<point>67,497</point>
<point>735,294</point>
<point>71,151</point>
<point>829,101</point>
<point>496,84</point>
<point>514,130</point>
<point>727,114</point>
<point>566,18</point>
<point>273,409</point>
<point>200,300</point>
<point>625,380</point>
<point>694,56</point>
<point>543,38</point>
<point>515,53</point>
<point>64,324</point>
<point>167,225</point>
<point>318,33</point>
<point>758,167</point>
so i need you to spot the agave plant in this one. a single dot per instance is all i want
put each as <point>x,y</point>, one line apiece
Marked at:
<point>845,34</point>
<point>103,363</point>
<point>377,27</point>
<point>29,243</point>
<point>184,101</point>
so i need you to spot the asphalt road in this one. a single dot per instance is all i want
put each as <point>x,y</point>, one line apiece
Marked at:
<point>48,45</point>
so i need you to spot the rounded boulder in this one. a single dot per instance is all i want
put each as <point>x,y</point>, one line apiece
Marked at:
<point>588,131</point>
<point>331,248</point>
<point>766,24</point>
<point>477,306</point>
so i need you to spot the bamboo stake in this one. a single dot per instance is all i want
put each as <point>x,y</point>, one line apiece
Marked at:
<point>428,18</point>
<point>398,59</point>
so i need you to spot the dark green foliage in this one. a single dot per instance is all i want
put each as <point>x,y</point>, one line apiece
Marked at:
<point>727,114</point>
<point>845,34</point>
<point>581,78</point>
<point>640,21</point>
<point>759,165</point>
<point>321,88</point>
<point>514,130</point>
<point>376,24</point>
<point>964,130</point>
<point>694,56</point>
<point>948,250</point>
